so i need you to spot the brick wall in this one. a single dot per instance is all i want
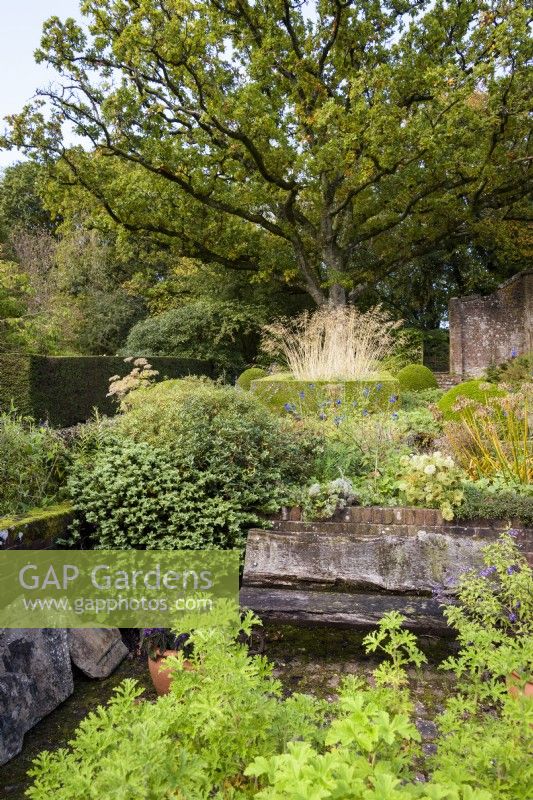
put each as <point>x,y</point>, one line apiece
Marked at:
<point>485,330</point>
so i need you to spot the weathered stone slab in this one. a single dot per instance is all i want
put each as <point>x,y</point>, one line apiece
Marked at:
<point>409,561</point>
<point>35,677</point>
<point>96,651</point>
<point>358,610</point>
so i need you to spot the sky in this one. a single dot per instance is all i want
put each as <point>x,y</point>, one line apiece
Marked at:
<point>20,32</point>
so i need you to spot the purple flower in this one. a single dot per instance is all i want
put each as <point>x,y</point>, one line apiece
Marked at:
<point>365,412</point>
<point>379,387</point>
<point>517,604</point>
<point>512,617</point>
<point>366,391</point>
<point>301,395</point>
<point>513,568</point>
<point>395,415</point>
<point>514,532</point>
<point>487,571</point>
<point>338,402</point>
<point>514,352</point>
<point>393,398</point>
<point>289,407</point>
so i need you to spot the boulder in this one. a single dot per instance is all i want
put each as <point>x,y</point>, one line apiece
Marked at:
<point>35,677</point>
<point>96,651</point>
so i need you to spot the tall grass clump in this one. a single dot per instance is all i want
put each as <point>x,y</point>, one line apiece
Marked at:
<point>334,343</point>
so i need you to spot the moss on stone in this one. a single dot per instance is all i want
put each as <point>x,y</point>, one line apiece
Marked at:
<point>42,526</point>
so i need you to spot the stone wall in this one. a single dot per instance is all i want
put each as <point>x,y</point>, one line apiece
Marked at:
<point>486,330</point>
<point>351,571</point>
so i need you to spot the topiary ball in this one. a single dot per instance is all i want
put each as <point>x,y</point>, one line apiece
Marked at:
<point>478,390</point>
<point>245,378</point>
<point>416,377</point>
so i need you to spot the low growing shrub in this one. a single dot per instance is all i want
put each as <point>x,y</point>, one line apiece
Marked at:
<point>478,390</point>
<point>188,464</point>
<point>33,464</point>
<point>416,377</point>
<point>431,481</point>
<point>516,371</point>
<point>483,501</point>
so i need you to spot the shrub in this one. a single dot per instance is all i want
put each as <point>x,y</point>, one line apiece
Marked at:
<point>226,333</point>
<point>483,501</point>
<point>33,465</point>
<point>333,343</point>
<point>416,377</point>
<point>252,374</point>
<point>478,390</point>
<point>189,464</point>
<point>422,398</point>
<point>514,372</point>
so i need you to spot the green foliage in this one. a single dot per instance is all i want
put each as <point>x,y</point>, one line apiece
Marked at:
<point>493,617</point>
<point>252,374</point>
<point>227,730</point>
<point>431,481</point>
<point>195,742</point>
<point>66,390</point>
<point>21,202</point>
<point>477,390</point>
<point>321,501</point>
<point>325,399</point>
<point>514,372</point>
<point>32,466</point>
<point>234,161</point>
<point>420,399</point>
<point>416,377</point>
<point>437,341</point>
<point>493,438</point>
<point>227,333</point>
<point>189,464</point>
<point>485,500</point>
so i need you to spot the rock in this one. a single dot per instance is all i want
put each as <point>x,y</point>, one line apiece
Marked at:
<point>35,677</point>
<point>96,651</point>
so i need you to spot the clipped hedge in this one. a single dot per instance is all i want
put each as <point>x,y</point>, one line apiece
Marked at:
<point>66,390</point>
<point>415,377</point>
<point>252,374</point>
<point>283,394</point>
<point>478,390</point>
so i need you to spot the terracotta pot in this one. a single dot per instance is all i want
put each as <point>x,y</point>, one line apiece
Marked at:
<point>161,674</point>
<point>516,690</point>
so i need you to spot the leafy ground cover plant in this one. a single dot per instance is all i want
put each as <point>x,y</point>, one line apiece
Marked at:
<point>33,465</point>
<point>226,731</point>
<point>490,499</point>
<point>431,480</point>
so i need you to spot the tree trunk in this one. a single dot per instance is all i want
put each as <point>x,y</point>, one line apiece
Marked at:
<point>337,295</point>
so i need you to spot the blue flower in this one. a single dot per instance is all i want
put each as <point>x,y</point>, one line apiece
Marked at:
<point>366,391</point>
<point>393,398</point>
<point>512,617</point>
<point>513,532</point>
<point>517,604</point>
<point>338,402</point>
<point>365,412</point>
<point>301,395</point>
<point>289,407</point>
<point>322,415</point>
<point>379,387</point>
<point>514,352</point>
<point>487,571</point>
<point>513,568</point>
<point>395,415</point>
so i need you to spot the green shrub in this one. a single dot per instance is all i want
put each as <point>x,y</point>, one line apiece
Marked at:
<point>189,464</point>
<point>285,395</point>
<point>430,480</point>
<point>252,374</point>
<point>516,371</point>
<point>226,333</point>
<point>33,463</point>
<point>416,377</point>
<point>478,390</point>
<point>420,399</point>
<point>481,501</point>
